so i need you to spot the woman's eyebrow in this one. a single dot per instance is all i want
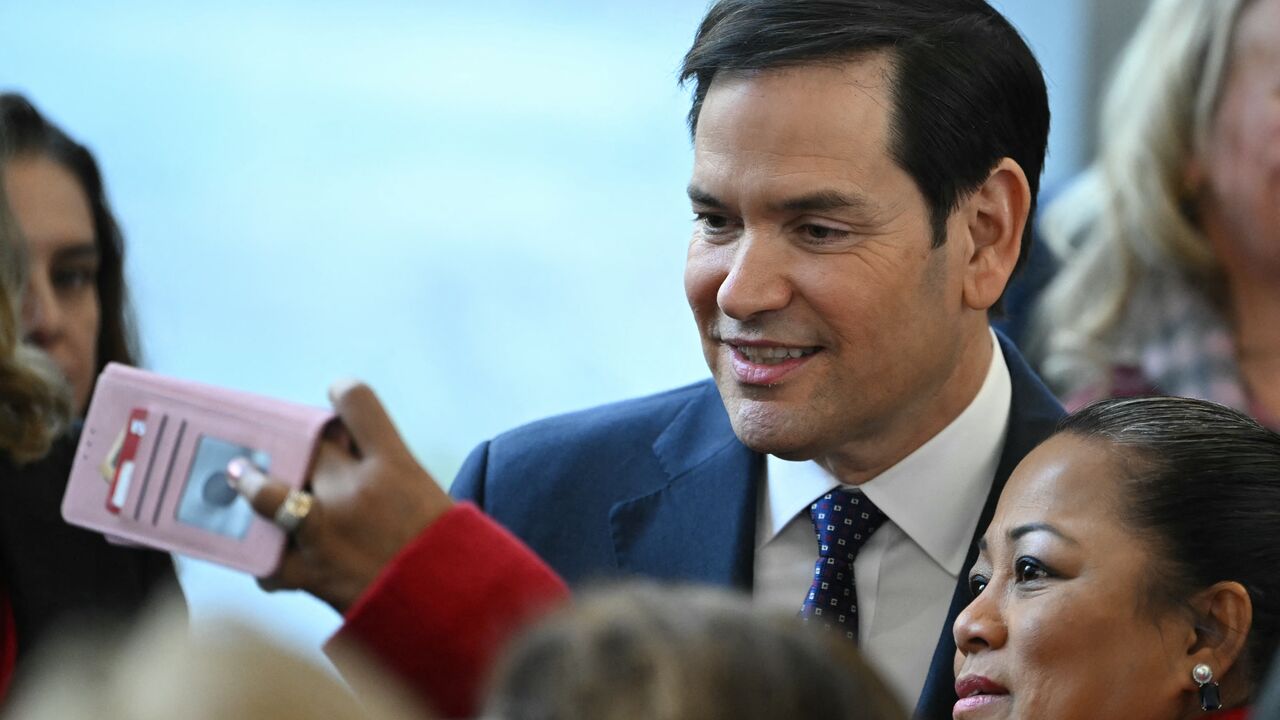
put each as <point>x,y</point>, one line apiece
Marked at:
<point>1021,530</point>
<point>81,251</point>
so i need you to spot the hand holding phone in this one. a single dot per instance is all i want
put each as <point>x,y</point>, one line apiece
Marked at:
<point>371,500</point>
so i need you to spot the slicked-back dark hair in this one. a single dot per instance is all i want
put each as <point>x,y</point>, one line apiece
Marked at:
<point>967,91</point>
<point>29,134</point>
<point>1202,482</point>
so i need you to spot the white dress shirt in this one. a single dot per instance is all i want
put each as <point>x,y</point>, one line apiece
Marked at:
<point>906,573</point>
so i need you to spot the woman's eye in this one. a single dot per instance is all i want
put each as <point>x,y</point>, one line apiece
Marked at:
<point>977,584</point>
<point>74,278</point>
<point>1029,569</point>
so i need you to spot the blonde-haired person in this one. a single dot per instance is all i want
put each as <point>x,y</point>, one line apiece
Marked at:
<point>1171,241</point>
<point>644,651</point>
<point>160,672</point>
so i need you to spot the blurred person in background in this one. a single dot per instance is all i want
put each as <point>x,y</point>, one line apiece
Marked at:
<point>1130,570</point>
<point>642,651</point>
<point>1171,241</point>
<point>1268,707</point>
<point>34,399</point>
<point>50,572</point>
<point>75,306</point>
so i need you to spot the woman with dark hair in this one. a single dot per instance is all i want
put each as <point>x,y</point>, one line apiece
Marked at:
<point>34,405</point>
<point>76,306</point>
<point>51,572</point>
<point>1130,570</point>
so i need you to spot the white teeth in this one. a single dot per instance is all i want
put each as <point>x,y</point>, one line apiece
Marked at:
<point>772,355</point>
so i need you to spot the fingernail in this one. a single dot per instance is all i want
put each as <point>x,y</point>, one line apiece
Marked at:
<point>244,477</point>
<point>341,386</point>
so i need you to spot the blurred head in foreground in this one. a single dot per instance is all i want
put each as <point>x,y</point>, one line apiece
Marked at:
<point>162,671</point>
<point>639,651</point>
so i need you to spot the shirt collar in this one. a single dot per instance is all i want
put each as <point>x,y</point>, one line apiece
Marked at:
<point>934,495</point>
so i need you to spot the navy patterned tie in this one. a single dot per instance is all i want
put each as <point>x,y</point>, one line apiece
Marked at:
<point>844,521</point>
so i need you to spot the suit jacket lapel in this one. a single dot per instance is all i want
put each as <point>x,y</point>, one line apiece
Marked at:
<point>700,525</point>
<point>1033,415</point>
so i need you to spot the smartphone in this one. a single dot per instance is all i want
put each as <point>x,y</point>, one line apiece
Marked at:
<point>151,465</point>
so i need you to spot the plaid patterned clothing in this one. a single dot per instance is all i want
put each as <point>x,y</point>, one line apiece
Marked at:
<point>1173,342</point>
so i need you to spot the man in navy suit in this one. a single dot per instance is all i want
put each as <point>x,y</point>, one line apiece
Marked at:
<point>864,172</point>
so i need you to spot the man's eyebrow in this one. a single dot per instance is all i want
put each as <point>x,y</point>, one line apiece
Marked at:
<point>698,196</point>
<point>821,201</point>
<point>826,200</point>
<point>1021,530</point>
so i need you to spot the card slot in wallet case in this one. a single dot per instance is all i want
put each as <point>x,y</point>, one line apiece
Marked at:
<point>151,465</point>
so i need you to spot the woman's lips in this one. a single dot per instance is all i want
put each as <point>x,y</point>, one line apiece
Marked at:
<point>762,363</point>
<point>976,693</point>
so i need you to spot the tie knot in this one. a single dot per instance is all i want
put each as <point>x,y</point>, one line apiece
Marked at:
<point>844,520</point>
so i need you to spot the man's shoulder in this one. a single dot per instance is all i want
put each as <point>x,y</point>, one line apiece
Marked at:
<point>609,449</point>
<point>555,482</point>
<point>635,420</point>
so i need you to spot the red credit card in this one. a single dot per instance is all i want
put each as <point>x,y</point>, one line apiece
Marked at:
<point>134,430</point>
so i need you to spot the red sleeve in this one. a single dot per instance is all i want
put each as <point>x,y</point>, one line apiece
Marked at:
<point>445,607</point>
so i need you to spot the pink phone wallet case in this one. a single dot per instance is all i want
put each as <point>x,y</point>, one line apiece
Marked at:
<point>151,465</point>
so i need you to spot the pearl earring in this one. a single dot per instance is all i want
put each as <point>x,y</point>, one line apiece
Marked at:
<point>1210,699</point>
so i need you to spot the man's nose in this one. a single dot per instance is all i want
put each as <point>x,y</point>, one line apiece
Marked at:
<point>41,314</point>
<point>758,280</point>
<point>980,626</point>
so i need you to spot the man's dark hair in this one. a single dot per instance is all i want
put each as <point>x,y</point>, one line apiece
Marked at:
<point>28,134</point>
<point>1202,483</point>
<point>967,91</point>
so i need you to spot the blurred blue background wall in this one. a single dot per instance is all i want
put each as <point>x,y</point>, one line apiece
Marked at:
<point>477,207</point>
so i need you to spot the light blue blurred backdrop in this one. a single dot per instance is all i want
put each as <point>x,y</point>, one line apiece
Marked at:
<point>477,207</point>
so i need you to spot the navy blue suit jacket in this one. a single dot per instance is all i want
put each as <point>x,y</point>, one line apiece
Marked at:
<point>661,487</point>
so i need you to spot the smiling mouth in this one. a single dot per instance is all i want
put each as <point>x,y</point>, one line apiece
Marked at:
<point>775,355</point>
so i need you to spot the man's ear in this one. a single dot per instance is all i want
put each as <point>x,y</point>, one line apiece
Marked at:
<point>996,214</point>
<point>1224,614</point>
